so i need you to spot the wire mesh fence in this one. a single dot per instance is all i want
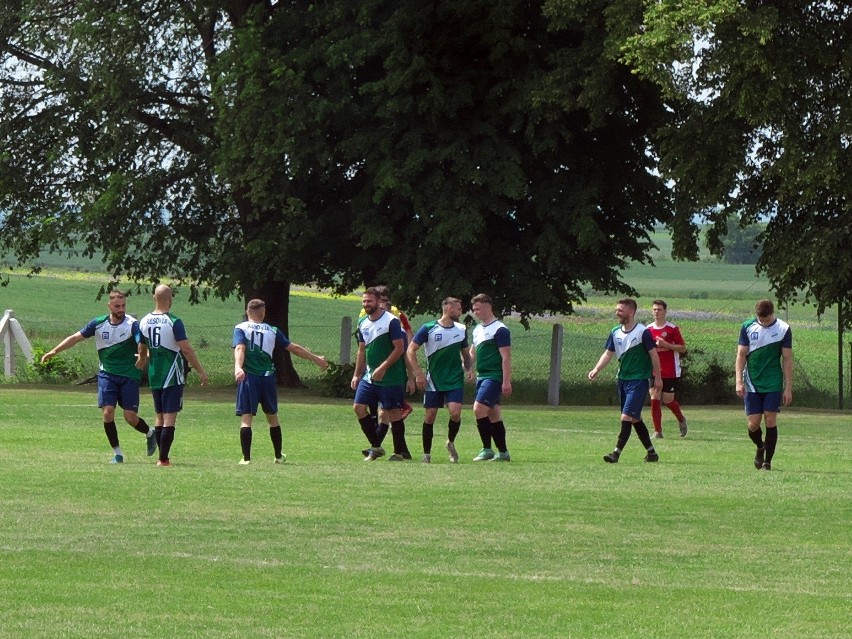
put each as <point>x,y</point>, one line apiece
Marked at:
<point>708,367</point>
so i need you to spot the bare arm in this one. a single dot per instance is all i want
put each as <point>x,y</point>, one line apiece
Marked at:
<point>65,344</point>
<point>506,354</point>
<point>787,367</point>
<point>239,360</point>
<point>414,365</point>
<point>360,365</point>
<point>189,353</point>
<point>304,353</point>
<point>742,351</point>
<point>603,361</point>
<point>471,356</point>
<point>655,366</point>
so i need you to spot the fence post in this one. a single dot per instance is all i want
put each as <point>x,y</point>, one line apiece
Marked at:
<point>345,340</point>
<point>10,330</point>
<point>555,365</point>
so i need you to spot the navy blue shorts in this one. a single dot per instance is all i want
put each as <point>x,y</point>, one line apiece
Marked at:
<point>632,394</point>
<point>168,400</point>
<point>759,403</point>
<point>388,397</point>
<point>439,399</point>
<point>115,390</point>
<point>489,392</point>
<point>254,390</point>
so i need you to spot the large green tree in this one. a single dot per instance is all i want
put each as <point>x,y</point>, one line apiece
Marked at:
<point>762,93</point>
<point>494,146</point>
<point>442,148</point>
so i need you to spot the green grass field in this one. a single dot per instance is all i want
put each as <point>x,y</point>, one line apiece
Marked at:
<point>555,544</point>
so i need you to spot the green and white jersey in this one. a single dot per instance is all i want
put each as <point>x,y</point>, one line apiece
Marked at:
<point>260,339</point>
<point>378,337</point>
<point>632,350</point>
<point>488,339</point>
<point>116,344</point>
<point>161,332</point>
<point>763,372</point>
<point>443,347</point>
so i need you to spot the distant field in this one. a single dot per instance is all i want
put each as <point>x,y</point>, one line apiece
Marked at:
<point>554,544</point>
<point>708,299</point>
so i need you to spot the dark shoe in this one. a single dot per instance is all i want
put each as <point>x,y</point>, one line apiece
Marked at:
<point>766,466</point>
<point>758,458</point>
<point>682,426</point>
<point>652,457</point>
<point>612,458</point>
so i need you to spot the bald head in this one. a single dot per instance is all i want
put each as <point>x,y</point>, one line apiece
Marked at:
<point>163,297</point>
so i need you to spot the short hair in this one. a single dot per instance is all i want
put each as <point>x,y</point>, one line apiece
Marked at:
<point>449,301</point>
<point>764,308</point>
<point>482,298</point>
<point>660,303</point>
<point>256,304</point>
<point>117,294</point>
<point>628,301</point>
<point>374,291</point>
<point>381,290</point>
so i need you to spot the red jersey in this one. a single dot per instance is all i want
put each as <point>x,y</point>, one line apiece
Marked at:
<point>669,360</point>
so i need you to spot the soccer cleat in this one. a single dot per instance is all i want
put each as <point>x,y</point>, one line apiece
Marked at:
<point>117,459</point>
<point>406,411</point>
<point>427,458</point>
<point>396,457</point>
<point>657,434</point>
<point>152,445</point>
<point>682,425</point>
<point>244,462</point>
<point>612,458</point>
<point>766,466</point>
<point>502,457</point>
<point>160,462</point>
<point>365,452</point>
<point>652,456</point>
<point>451,449</point>
<point>406,456</point>
<point>282,459</point>
<point>758,458</point>
<point>374,453</point>
<point>484,455</point>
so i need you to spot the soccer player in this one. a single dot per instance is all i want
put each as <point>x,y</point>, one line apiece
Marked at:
<point>254,344</point>
<point>381,420</point>
<point>637,362</point>
<point>447,359</point>
<point>670,346</point>
<point>491,353</point>
<point>116,336</point>
<point>380,375</point>
<point>162,349</point>
<point>764,376</point>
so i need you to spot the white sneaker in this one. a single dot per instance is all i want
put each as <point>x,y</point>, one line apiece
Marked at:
<point>244,462</point>
<point>282,459</point>
<point>451,449</point>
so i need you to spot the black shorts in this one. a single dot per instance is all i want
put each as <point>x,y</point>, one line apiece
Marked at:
<point>671,384</point>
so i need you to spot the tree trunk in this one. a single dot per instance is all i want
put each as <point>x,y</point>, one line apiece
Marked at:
<point>277,298</point>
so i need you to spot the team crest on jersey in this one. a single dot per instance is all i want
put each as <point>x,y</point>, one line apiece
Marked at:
<point>438,337</point>
<point>754,336</point>
<point>105,335</point>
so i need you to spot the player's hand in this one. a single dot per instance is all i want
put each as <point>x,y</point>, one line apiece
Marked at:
<point>47,356</point>
<point>787,397</point>
<point>354,383</point>
<point>204,378</point>
<point>740,389</point>
<point>239,374</point>
<point>322,363</point>
<point>593,374</point>
<point>470,375</point>
<point>420,381</point>
<point>410,386</point>
<point>378,374</point>
<point>506,389</point>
